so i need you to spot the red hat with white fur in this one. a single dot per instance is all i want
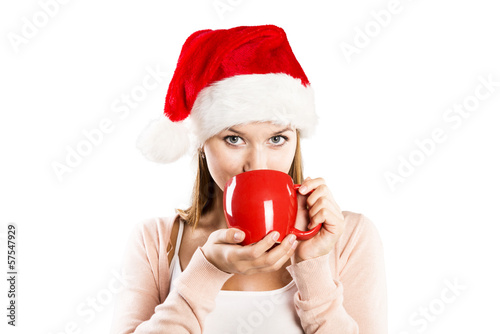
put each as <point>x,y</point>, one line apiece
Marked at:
<point>228,77</point>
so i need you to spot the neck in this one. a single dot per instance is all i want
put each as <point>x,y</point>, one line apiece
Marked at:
<point>215,217</point>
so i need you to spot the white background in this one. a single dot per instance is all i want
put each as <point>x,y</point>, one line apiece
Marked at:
<point>439,225</point>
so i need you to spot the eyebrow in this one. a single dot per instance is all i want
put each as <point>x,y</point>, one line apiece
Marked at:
<point>276,133</point>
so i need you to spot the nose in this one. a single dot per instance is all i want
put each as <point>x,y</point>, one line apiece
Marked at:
<point>256,158</point>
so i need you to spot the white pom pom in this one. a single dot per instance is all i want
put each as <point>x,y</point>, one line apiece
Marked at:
<point>164,141</point>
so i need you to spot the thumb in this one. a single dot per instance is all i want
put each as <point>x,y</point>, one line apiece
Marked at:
<point>233,236</point>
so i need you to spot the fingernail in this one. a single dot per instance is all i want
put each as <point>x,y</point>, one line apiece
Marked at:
<point>292,238</point>
<point>295,243</point>
<point>303,189</point>
<point>276,235</point>
<point>237,236</point>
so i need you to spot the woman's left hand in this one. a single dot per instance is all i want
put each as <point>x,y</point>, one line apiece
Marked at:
<point>318,208</point>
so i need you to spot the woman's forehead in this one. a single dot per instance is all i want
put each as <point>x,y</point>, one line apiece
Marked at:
<point>261,126</point>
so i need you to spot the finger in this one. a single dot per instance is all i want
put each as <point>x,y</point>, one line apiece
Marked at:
<point>310,184</point>
<point>318,218</point>
<point>275,256</point>
<point>281,262</point>
<point>256,250</point>
<point>270,262</point>
<point>323,202</point>
<point>228,236</point>
<point>321,191</point>
<point>327,217</point>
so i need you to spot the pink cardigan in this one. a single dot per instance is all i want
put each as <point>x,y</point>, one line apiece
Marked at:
<point>339,293</point>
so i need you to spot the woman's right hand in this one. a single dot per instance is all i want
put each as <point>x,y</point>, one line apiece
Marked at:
<point>223,251</point>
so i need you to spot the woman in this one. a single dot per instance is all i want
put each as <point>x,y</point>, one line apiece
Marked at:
<point>249,103</point>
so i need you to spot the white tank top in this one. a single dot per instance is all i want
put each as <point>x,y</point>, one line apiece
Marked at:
<point>245,312</point>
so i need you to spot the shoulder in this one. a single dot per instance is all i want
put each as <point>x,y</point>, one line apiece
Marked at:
<point>358,226</point>
<point>153,232</point>
<point>146,255</point>
<point>360,241</point>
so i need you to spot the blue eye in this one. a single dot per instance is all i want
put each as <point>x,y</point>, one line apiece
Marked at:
<point>233,140</point>
<point>276,140</point>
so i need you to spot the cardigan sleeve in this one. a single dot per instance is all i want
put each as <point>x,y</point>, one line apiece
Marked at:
<point>354,303</point>
<point>138,308</point>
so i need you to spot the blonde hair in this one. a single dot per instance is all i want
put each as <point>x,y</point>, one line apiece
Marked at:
<point>203,195</point>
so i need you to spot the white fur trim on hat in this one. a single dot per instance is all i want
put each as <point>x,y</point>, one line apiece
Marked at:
<point>241,99</point>
<point>164,141</point>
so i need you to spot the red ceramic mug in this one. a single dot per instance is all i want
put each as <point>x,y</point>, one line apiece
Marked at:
<point>261,201</point>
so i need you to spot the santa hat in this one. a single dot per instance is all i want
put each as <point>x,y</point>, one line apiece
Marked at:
<point>228,77</point>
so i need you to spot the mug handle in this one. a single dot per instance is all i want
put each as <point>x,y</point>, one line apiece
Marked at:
<point>305,235</point>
